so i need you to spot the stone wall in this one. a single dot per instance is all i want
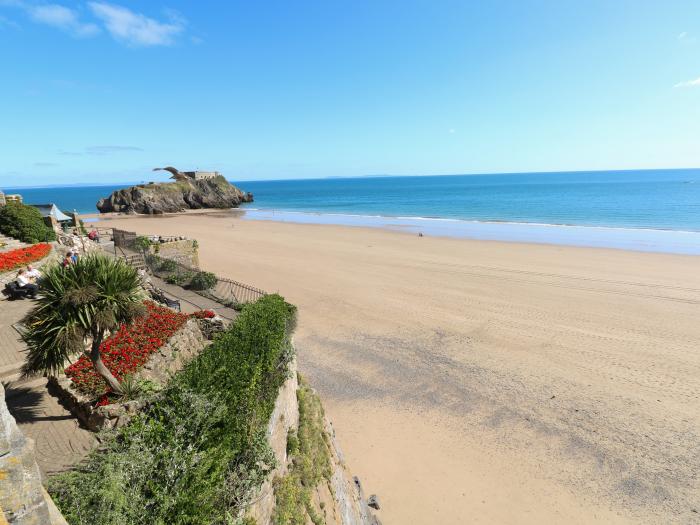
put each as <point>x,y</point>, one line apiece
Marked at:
<point>285,416</point>
<point>182,346</point>
<point>350,506</point>
<point>350,503</point>
<point>23,500</point>
<point>184,251</point>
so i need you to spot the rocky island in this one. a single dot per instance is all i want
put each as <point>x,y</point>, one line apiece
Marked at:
<point>190,190</point>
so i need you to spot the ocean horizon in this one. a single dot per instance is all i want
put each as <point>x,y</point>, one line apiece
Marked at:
<point>649,210</point>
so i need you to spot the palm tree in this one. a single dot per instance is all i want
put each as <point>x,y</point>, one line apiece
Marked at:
<point>79,303</point>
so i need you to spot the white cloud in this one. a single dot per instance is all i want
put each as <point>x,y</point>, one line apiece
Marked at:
<point>62,18</point>
<point>689,83</point>
<point>137,29</point>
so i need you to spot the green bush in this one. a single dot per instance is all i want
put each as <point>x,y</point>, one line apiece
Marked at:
<point>198,454</point>
<point>167,265</point>
<point>203,281</point>
<point>180,279</point>
<point>142,243</point>
<point>24,223</point>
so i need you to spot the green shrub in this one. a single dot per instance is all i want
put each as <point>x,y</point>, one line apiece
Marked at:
<point>203,281</point>
<point>198,454</point>
<point>142,243</point>
<point>24,223</point>
<point>167,265</point>
<point>180,278</point>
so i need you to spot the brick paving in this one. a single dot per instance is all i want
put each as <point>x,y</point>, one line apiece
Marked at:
<point>60,441</point>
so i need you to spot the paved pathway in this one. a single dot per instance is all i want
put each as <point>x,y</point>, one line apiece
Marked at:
<point>60,441</point>
<point>191,301</point>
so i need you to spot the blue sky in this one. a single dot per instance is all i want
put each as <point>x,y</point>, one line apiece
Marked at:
<point>103,92</point>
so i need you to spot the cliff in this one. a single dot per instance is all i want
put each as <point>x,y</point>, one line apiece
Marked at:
<point>176,196</point>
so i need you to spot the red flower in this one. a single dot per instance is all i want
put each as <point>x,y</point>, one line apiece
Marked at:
<point>22,256</point>
<point>203,314</point>
<point>127,349</point>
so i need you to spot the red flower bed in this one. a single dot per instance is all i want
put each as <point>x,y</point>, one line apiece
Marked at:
<point>203,314</point>
<point>23,256</point>
<point>127,350</point>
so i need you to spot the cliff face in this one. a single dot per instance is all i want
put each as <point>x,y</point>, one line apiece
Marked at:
<point>177,196</point>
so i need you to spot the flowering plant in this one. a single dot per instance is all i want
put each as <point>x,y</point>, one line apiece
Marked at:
<point>203,314</point>
<point>21,256</point>
<point>126,350</point>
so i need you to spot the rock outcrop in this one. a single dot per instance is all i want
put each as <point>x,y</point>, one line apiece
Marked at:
<point>171,197</point>
<point>23,500</point>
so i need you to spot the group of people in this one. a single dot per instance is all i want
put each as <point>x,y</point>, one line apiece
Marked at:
<point>70,258</point>
<point>26,279</point>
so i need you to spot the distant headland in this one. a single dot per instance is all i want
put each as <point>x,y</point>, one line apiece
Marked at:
<point>190,190</point>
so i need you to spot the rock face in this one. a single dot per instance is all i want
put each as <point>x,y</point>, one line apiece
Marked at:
<point>176,196</point>
<point>23,500</point>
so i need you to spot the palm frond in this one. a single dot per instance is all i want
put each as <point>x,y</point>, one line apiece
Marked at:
<point>95,294</point>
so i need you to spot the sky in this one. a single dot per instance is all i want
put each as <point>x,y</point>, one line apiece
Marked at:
<point>103,92</point>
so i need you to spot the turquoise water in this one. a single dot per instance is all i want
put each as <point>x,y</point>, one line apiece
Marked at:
<point>664,199</point>
<point>469,205</point>
<point>638,199</point>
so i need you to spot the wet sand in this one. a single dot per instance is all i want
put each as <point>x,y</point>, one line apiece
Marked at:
<point>487,382</point>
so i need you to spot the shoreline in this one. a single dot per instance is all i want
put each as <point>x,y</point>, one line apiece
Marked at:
<point>644,240</point>
<point>473,380</point>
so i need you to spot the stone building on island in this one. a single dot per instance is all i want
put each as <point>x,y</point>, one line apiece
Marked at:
<point>189,175</point>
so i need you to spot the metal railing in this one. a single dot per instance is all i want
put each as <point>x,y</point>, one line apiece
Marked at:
<point>233,292</point>
<point>226,291</point>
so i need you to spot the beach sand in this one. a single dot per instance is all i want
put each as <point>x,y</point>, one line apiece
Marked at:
<point>487,382</point>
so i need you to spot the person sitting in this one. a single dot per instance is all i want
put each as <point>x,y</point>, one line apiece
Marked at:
<point>94,236</point>
<point>68,259</point>
<point>33,273</point>
<point>25,283</point>
<point>74,255</point>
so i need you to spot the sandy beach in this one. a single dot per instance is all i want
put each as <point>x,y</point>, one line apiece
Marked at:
<point>486,382</point>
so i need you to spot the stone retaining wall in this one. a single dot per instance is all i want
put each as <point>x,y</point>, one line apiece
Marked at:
<point>184,251</point>
<point>23,500</point>
<point>182,346</point>
<point>348,498</point>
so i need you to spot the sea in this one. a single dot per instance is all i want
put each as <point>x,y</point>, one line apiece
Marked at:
<point>646,210</point>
